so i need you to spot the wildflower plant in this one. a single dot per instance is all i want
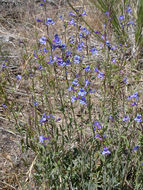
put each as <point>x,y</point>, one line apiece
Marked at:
<point>84,121</point>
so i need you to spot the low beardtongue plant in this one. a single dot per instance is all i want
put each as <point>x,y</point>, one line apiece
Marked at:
<point>85,114</point>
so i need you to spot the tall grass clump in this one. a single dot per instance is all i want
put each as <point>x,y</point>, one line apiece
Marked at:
<point>81,114</point>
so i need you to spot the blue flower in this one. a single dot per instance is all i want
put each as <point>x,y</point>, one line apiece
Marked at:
<point>111,117</point>
<point>59,119</point>
<point>82,92</point>
<point>68,53</point>
<point>57,40</point>
<point>97,136</point>
<point>61,17</point>
<point>87,68</point>
<point>35,103</point>
<point>74,98</point>
<point>54,47</point>
<point>40,67</point>
<point>87,83</point>
<point>63,64</point>
<point>121,18</point>
<point>114,60</point>
<point>96,32</point>
<point>103,37</point>
<point>97,124</point>
<point>107,13</point>
<point>138,118</point>
<point>53,60</point>
<point>38,20</point>
<point>82,100</point>
<point>106,151</point>
<point>126,45</point>
<point>124,80</point>
<point>129,10</point>
<point>43,40</point>
<point>34,55</point>
<point>39,51</point>
<point>50,116</point>
<point>71,41</point>
<point>134,104</point>
<point>76,59</point>
<point>45,50</point>
<point>135,148</point>
<point>84,13</point>
<point>108,44</point>
<point>91,91</point>
<point>42,138</point>
<point>50,21</point>
<point>71,22</point>
<point>125,118</point>
<point>100,74</point>
<point>3,65</point>
<point>81,35</point>
<point>75,82</point>
<point>94,51</point>
<point>77,10</point>
<point>68,62</point>
<point>80,46</point>
<point>62,47</point>
<point>44,118</point>
<point>3,105</point>
<point>71,13</point>
<point>71,88</point>
<point>84,30</point>
<point>135,95</point>
<point>18,77</point>
<point>130,23</point>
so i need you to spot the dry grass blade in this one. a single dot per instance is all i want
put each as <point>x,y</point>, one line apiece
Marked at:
<point>30,169</point>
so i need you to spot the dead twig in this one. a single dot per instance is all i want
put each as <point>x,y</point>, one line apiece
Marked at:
<point>30,169</point>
